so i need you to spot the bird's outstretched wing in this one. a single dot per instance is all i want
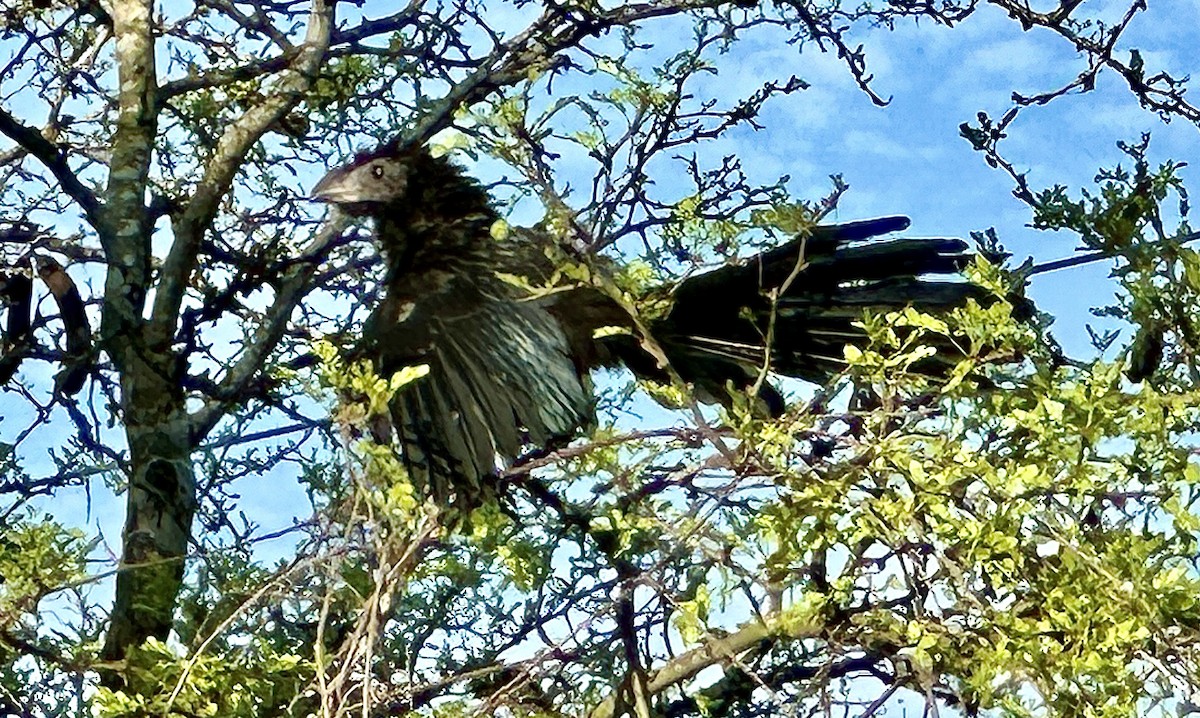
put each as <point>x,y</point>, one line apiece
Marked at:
<point>508,370</point>
<point>500,378</point>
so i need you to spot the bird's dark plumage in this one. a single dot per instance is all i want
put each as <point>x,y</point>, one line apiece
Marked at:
<point>508,369</point>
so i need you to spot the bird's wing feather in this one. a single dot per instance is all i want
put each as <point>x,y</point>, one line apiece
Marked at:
<point>500,377</point>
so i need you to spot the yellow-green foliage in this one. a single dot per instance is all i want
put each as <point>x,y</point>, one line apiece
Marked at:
<point>364,398</point>
<point>359,379</point>
<point>1033,518</point>
<point>688,222</point>
<point>37,557</point>
<point>245,683</point>
<point>341,81</point>
<point>632,88</point>
<point>788,218</point>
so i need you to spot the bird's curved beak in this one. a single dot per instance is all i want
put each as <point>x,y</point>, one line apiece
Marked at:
<point>329,188</point>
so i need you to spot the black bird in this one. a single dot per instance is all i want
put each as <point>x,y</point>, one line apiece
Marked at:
<point>509,367</point>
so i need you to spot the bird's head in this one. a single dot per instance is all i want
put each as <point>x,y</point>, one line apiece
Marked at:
<point>373,179</point>
<point>406,183</point>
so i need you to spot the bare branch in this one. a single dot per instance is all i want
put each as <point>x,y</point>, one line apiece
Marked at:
<point>713,651</point>
<point>291,289</point>
<point>230,153</point>
<point>54,159</point>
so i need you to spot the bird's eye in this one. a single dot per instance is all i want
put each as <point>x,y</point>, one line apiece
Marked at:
<point>377,171</point>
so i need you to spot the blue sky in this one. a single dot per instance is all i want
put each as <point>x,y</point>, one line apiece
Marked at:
<point>906,158</point>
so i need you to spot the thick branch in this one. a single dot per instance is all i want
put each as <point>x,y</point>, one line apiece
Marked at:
<point>339,36</point>
<point>227,159</point>
<point>714,651</point>
<point>738,685</point>
<point>537,47</point>
<point>290,290</point>
<point>55,160</point>
<point>125,227</point>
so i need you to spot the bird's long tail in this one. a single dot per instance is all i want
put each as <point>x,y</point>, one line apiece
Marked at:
<point>802,299</point>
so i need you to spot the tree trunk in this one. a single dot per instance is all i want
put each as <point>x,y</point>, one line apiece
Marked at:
<point>161,501</point>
